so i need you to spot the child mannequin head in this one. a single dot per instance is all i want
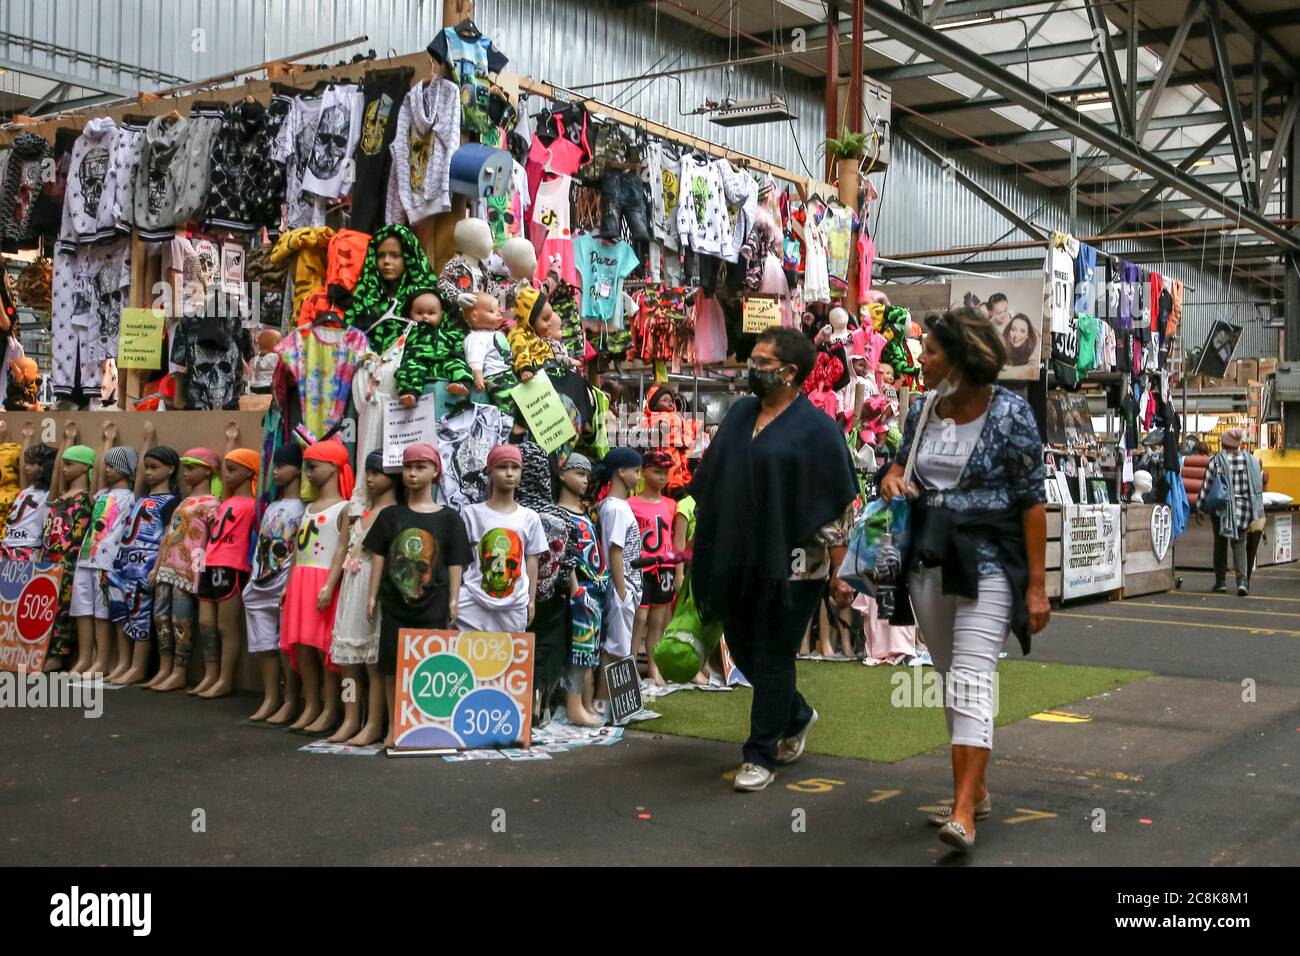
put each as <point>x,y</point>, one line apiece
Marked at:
<point>661,398</point>
<point>424,307</point>
<point>505,468</point>
<point>532,308</point>
<point>239,472</point>
<point>38,466</point>
<point>621,470</point>
<point>329,469</point>
<point>421,468</point>
<point>473,238</point>
<point>267,340</point>
<point>120,463</point>
<point>161,466</point>
<point>520,258</point>
<point>654,470</point>
<point>286,470</point>
<point>379,483</point>
<point>78,461</point>
<point>199,468</point>
<point>390,261</point>
<point>482,311</point>
<point>575,476</point>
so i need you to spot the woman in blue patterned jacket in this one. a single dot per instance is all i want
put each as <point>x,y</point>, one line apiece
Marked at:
<point>972,463</point>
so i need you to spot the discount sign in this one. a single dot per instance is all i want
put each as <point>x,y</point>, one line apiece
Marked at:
<point>29,601</point>
<point>463,690</point>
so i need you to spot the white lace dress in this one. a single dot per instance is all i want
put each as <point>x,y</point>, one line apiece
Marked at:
<point>373,387</point>
<point>356,640</point>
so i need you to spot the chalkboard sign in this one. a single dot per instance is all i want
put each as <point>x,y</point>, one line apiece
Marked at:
<point>624,685</point>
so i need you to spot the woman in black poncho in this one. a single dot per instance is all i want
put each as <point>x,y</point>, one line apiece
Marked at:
<point>772,493</point>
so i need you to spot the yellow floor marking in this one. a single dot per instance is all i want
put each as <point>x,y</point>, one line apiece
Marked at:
<point>1263,631</point>
<point>1029,815</point>
<point>937,808</point>
<point>1060,717</point>
<point>882,795</point>
<point>815,785</point>
<point>1218,610</point>
<point>730,775</point>
<point>1227,597</point>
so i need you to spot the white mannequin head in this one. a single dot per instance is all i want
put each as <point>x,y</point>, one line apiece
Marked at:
<point>520,257</point>
<point>473,238</point>
<point>839,322</point>
<point>1141,483</point>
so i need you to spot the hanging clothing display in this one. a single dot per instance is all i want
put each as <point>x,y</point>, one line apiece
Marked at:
<point>701,218</point>
<point>308,248</point>
<point>89,215</point>
<point>464,441</point>
<point>383,92</point>
<point>171,179</point>
<point>337,131</point>
<point>242,195</point>
<point>293,147</point>
<point>816,282</point>
<point>550,232</point>
<point>426,136</point>
<point>322,362</point>
<point>471,57</point>
<point>22,185</point>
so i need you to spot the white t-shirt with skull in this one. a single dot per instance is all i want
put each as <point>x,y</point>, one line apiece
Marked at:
<point>328,171</point>
<point>494,591</point>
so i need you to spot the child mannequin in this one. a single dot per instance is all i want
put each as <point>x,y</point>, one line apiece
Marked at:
<point>499,592</point>
<point>130,597</point>
<point>176,572</point>
<point>654,517</point>
<point>226,570</point>
<point>621,538</point>
<point>421,363</point>
<point>98,549</point>
<point>418,552</point>
<point>65,527</point>
<point>277,541</point>
<point>23,528</point>
<point>535,341</point>
<point>588,585</point>
<point>264,364</point>
<point>487,350</point>
<point>312,594</point>
<point>355,646</point>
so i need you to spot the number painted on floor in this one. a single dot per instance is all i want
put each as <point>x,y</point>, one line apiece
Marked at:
<point>882,795</point>
<point>815,785</point>
<point>1030,815</point>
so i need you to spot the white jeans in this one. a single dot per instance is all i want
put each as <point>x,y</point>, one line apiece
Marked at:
<point>964,637</point>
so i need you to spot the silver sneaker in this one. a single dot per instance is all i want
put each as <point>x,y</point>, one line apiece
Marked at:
<point>791,748</point>
<point>751,778</point>
<point>982,809</point>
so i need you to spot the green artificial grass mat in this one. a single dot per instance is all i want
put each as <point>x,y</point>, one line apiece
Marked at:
<point>858,717</point>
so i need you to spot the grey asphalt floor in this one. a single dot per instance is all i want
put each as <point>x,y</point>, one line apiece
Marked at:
<point>1177,769</point>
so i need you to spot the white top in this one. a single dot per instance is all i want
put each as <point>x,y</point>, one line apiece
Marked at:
<point>497,577</point>
<point>337,131</point>
<point>944,449</point>
<point>26,525</point>
<point>484,353</point>
<point>618,528</point>
<point>264,370</point>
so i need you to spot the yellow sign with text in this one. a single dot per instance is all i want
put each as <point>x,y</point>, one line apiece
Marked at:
<point>760,314</point>
<point>140,342</point>
<point>546,415</point>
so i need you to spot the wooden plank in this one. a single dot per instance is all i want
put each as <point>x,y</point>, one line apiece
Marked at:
<point>1053,556</point>
<point>1054,521</point>
<point>1140,562</point>
<point>1148,582</point>
<point>1053,582</point>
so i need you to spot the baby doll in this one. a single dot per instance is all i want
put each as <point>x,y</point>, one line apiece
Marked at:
<point>264,364</point>
<point>487,350</point>
<point>24,386</point>
<point>427,356</point>
<point>535,341</point>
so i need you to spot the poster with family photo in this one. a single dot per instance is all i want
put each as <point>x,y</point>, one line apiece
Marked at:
<point>1015,307</point>
<point>1069,422</point>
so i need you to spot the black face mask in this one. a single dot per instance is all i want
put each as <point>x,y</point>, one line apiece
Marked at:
<point>764,382</point>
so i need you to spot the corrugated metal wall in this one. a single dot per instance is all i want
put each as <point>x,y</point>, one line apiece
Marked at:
<point>573,43</point>
<point>950,216</point>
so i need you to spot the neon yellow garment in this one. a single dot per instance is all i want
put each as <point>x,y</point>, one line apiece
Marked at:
<point>11,454</point>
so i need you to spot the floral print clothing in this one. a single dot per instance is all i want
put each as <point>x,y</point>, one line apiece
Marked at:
<point>65,527</point>
<point>323,361</point>
<point>1005,469</point>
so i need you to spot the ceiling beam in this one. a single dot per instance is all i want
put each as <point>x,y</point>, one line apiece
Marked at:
<point>1175,155</point>
<point>1154,192</point>
<point>945,49</point>
<point>1284,134</point>
<point>965,104</point>
<point>1236,123</point>
<point>1049,135</point>
<point>1101,37</point>
<point>1167,64</point>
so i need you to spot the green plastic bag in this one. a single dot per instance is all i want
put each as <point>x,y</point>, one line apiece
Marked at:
<point>687,642</point>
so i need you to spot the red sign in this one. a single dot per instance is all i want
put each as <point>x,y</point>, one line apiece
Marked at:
<point>29,602</point>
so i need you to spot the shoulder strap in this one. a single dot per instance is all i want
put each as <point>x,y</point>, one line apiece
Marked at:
<point>931,398</point>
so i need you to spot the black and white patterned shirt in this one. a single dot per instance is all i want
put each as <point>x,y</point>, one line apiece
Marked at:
<point>1238,477</point>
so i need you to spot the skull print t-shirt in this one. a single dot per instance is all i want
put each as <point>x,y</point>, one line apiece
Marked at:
<point>497,577</point>
<point>418,547</point>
